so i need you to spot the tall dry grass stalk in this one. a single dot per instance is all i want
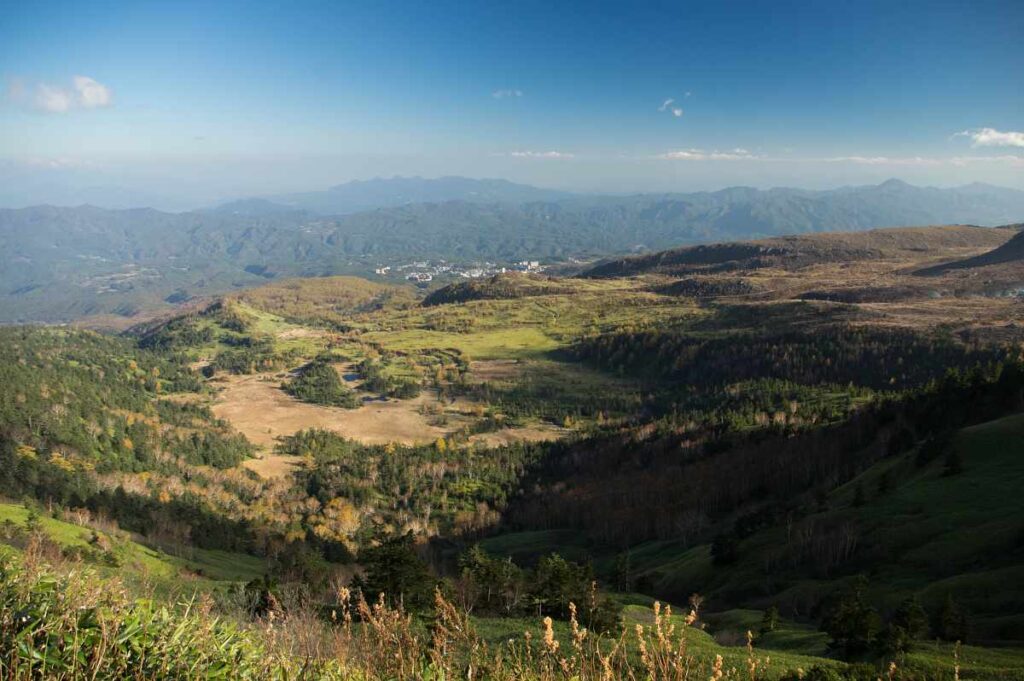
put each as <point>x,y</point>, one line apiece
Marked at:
<point>78,626</point>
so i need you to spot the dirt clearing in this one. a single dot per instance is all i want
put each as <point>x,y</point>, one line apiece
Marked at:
<point>257,407</point>
<point>273,465</point>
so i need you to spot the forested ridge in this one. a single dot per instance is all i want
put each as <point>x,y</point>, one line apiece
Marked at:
<point>874,358</point>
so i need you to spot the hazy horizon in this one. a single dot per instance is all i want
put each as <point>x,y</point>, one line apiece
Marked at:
<point>114,197</point>
<point>185,105</point>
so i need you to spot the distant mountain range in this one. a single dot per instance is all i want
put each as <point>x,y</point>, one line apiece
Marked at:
<point>741,211</point>
<point>360,195</point>
<point>62,263</point>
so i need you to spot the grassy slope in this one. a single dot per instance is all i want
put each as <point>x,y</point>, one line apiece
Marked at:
<point>527,327</point>
<point>969,524</point>
<point>211,565</point>
<point>928,534</point>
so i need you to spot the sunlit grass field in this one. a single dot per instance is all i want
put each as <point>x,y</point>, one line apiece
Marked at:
<point>203,567</point>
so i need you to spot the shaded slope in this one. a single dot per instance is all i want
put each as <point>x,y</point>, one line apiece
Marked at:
<point>794,252</point>
<point>915,529</point>
<point>1010,252</point>
<point>785,516</point>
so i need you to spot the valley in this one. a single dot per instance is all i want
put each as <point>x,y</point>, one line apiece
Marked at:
<point>773,425</point>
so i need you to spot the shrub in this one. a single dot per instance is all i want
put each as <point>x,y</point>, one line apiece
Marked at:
<point>318,383</point>
<point>75,626</point>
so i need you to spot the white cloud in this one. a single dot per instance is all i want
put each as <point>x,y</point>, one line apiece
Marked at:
<point>91,94</point>
<point>52,99</point>
<point>677,112</point>
<point>83,93</point>
<point>541,154</point>
<point>666,104</point>
<point>737,154</point>
<point>504,94</point>
<point>990,137</point>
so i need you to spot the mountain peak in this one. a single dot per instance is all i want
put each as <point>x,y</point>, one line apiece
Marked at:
<point>253,207</point>
<point>894,183</point>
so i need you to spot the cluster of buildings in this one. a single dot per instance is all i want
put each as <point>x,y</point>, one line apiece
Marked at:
<point>425,271</point>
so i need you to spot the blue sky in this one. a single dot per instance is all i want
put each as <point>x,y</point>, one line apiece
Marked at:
<point>210,100</point>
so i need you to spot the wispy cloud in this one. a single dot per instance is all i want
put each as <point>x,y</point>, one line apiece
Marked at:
<point>52,99</point>
<point>990,137</point>
<point>737,154</point>
<point>505,94</point>
<point>82,93</point>
<point>58,163</point>
<point>925,161</point>
<point>674,110</point>
<point>1007,159</point>
<point>541,154</point>
<point>740,154</point>
<point>885,160</point>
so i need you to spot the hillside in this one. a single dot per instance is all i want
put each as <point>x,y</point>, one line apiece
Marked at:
<point>500,286</point>
<point>947,538</point>
<point>330,300</point>
<point>931,518</point>
<point>110,551</point>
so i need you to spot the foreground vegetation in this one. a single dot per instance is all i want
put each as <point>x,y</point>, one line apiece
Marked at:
<point>70,624</point>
